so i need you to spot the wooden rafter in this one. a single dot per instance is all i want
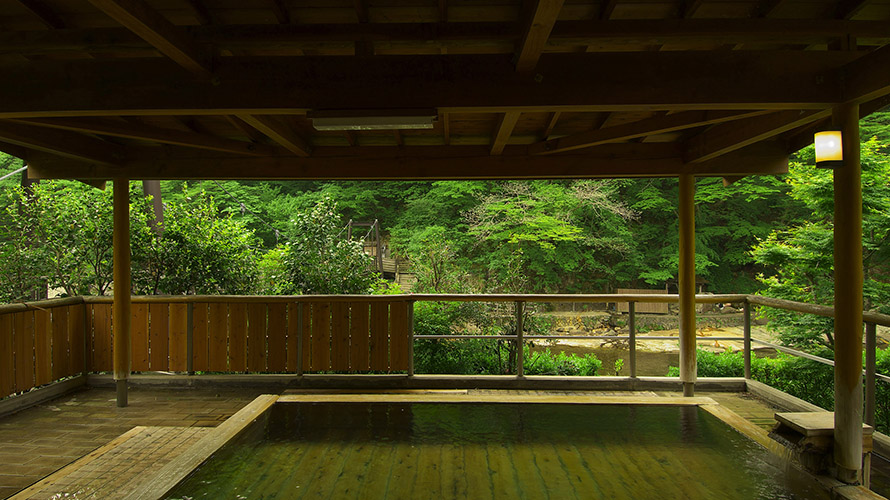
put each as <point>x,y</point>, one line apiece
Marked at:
<point>551,124</point>
<point>642,128</point>
<point>279,132</point>
<point>867,78</point>
<point>170,40</point>
<point>205,17</point>
<point>728,137</point>
<point>502,131</point>
<point>115,128</point>
<point>279,8</point>
<point>766,8</point>
<point>848,9</point>
<point>44,13</point>
<point>608,7</point>
<point>418,163</point>
<point>537,31</point>
<point>689,8</point>
<point>62,143</point>
<point>576,82</point>
<point>251,133</point>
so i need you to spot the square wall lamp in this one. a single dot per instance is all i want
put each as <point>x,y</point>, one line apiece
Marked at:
<point>829,149</point>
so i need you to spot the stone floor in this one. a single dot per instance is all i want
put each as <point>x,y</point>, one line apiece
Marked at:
<point>36,442</point>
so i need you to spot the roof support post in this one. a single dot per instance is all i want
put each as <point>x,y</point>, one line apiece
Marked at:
<point>121,309</point>
<point>848,281</point>
<point>686,284</point>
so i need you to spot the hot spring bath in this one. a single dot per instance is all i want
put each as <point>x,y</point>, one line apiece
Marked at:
<point>400,449</point>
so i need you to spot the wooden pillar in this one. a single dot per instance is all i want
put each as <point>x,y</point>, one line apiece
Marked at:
<point>121,309</point>
<point>687,284</point>
<point>848,299</point>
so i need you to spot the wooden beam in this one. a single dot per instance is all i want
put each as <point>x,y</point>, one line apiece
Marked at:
<point>419,163</point>
<point>205,17</point>
<point>728,137</point>
<point>43,12</point>
<point>608,7</point>
<point>278,132</point>
<point>803,137</point>
<point>867,78</point>
<point>551,124</point>
<point>453,83</point>
<point>848,9</point>
<point>170,40</point>
<point>116,128</point>
<point>282,14</point>
<point>68,144</point>
<point>446,128</point>
<point>766,8</point>
<point>689,8</point>
<point>641,128</point>
<point>574,33</point>
<point>361,10</point>
<point>398,136</point>
<point>14,150</point>
<point>443,11</point>
<point>503,131</point>
<point>537,31</point>
<point>251,133</point>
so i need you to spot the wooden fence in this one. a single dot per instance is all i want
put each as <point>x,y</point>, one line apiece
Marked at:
<point>257,335</point>
<point>50,340</point>
<point>40,345</point>
<point>643,307</point>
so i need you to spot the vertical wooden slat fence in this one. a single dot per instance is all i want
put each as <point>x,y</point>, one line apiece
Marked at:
<point>242,334</point>
<point>100,354</point>
<point>178,335</point>
<point>38,344</point>
<point>200,344</point>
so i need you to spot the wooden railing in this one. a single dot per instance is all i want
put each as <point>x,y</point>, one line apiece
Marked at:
<point>46,341</point>
<point>241,334</point>
<point>41,343</point>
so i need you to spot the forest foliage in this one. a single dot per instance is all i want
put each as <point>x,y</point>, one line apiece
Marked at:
<point>764,234</point>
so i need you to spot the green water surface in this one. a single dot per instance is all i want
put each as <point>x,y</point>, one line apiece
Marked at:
<point>437,450</point>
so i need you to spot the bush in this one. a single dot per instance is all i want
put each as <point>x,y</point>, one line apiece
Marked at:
<point>480,356</point>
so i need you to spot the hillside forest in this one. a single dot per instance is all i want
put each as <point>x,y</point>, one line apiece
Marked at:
<point>766,234</point>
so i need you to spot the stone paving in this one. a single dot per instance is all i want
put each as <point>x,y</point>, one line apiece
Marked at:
<point>38,441</point>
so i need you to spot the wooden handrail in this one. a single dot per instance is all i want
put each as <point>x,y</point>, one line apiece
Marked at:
<point>40,304</point>
<point>819,310</point>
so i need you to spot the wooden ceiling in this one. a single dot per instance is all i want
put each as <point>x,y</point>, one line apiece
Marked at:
<point>149,89</point>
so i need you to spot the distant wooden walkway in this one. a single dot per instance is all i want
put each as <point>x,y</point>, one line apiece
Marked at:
<point>119,467</point>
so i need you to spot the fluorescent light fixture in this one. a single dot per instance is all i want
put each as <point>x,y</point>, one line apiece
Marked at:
<point>373,119</point>
<point>829,149</point>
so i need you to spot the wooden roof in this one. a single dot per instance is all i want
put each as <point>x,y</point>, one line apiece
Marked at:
<point>96,89</point>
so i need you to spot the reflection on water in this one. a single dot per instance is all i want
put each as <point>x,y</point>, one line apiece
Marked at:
<point>434,450</point>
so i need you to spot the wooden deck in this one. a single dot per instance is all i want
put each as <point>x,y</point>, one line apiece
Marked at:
<point>118,468</point>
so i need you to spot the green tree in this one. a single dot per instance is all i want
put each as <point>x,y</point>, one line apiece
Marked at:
<point>198,251</point>
<point>318,259</point>
<point>800,257</point>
